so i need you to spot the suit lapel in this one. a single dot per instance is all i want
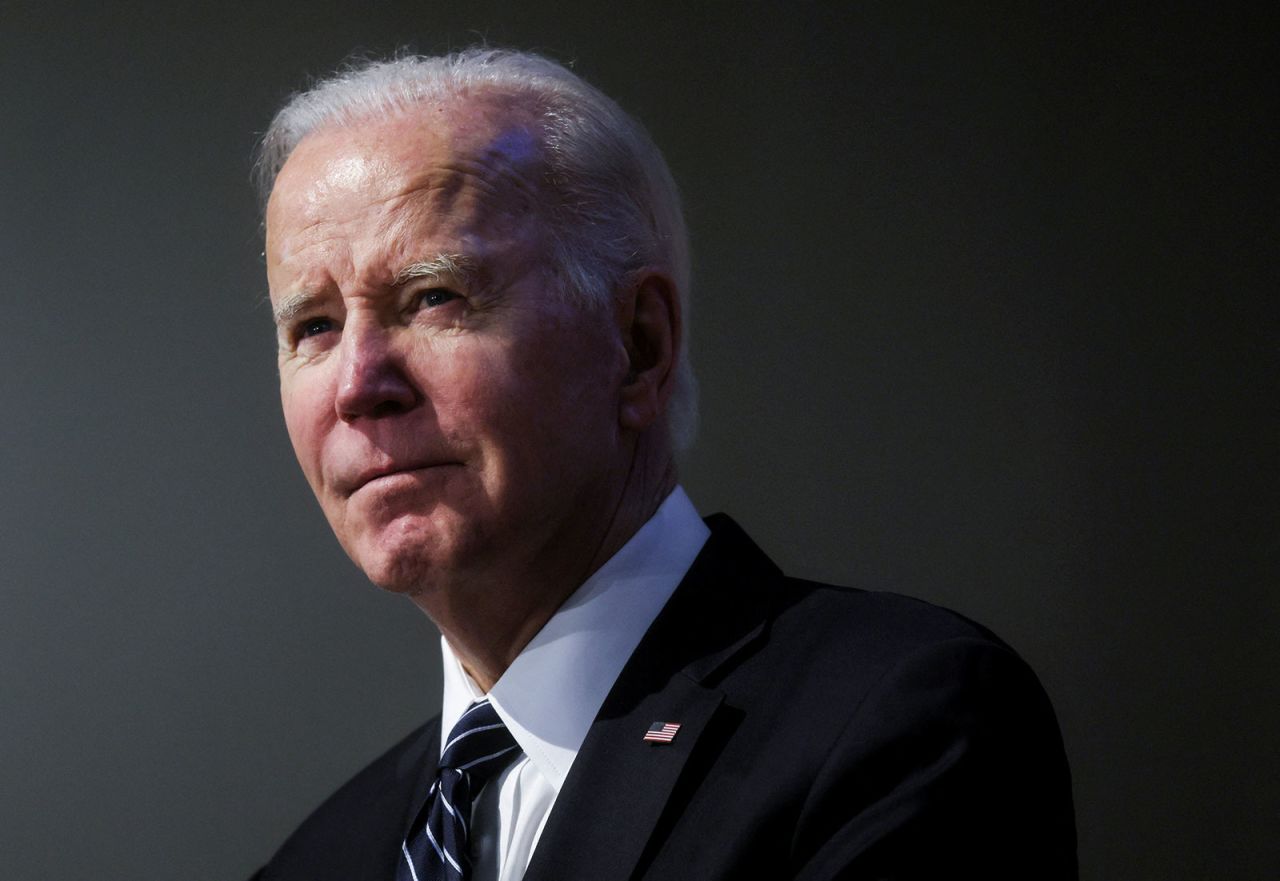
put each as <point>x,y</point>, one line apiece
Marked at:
<point>619,786</point>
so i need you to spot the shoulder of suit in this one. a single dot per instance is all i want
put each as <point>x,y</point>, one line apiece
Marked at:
<point>829,627</point>
<point>903,617</point>
<point>825,622</point>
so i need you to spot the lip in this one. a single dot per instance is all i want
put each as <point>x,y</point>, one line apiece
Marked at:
<point>369,475</point>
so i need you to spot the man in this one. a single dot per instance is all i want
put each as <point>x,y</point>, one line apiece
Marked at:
<point>478,271</point>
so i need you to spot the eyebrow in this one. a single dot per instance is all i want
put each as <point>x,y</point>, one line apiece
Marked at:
<point>439,266</point>
<point>456,266</point>
<point>292,306</point>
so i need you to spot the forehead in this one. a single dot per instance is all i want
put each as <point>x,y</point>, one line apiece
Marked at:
<point>476,167</point>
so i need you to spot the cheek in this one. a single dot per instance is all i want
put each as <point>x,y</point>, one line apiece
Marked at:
<point>555,402</point>
<point>305,408</point>
<point>474,396</point>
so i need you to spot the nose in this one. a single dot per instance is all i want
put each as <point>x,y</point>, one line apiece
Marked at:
<point>372,381</point>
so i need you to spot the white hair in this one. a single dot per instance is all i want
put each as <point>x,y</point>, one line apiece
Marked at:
<point>616,209</point>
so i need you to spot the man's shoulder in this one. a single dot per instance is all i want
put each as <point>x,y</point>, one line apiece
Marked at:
<point>838,652</point>
<point>812,617</point>
<point>871,623</point>
<point>859,647</point>
<point>358,828</point>
<point>885,731</point>
<point>845,641</point>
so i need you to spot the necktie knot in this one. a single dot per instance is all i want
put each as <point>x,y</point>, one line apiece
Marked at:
<point>479,744</point>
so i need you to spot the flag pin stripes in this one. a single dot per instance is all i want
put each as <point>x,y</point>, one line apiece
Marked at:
<point>661,732</point>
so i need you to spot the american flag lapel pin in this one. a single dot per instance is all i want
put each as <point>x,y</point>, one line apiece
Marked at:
<point>661,732</point>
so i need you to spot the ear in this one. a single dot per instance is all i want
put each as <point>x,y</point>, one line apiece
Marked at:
<point>650,323</point>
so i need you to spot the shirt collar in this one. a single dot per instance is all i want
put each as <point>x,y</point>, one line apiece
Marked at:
<point>550,694</point>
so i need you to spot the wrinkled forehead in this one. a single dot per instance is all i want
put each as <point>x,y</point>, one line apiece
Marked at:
<point>482,150</point>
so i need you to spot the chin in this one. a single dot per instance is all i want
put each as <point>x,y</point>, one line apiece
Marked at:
<point>394,574</point>
<point>406,558</point>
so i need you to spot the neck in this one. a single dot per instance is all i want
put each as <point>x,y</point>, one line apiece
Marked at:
<point>488,624</point>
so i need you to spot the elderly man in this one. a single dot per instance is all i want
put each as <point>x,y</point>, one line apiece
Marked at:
<point>478,269</point>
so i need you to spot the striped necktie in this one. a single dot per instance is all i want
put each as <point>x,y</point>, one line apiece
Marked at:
<point>436,847</point>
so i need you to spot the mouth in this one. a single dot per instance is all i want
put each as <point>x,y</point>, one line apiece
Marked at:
<point>386,475</point>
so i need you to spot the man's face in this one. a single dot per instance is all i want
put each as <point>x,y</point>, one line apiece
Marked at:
<point>455,416</point>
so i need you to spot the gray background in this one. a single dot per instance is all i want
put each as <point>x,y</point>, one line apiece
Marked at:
<point>985,313</point>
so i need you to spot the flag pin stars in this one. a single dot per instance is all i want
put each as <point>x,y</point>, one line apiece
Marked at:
<point>661,732</point>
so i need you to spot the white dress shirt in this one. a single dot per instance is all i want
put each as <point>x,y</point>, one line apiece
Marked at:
<point>551,693</point>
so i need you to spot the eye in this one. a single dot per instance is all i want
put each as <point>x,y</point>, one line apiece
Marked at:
<point>314,327</point>
<point>432,297</point>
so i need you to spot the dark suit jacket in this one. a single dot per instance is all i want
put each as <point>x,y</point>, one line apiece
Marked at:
<point>825,733</point>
